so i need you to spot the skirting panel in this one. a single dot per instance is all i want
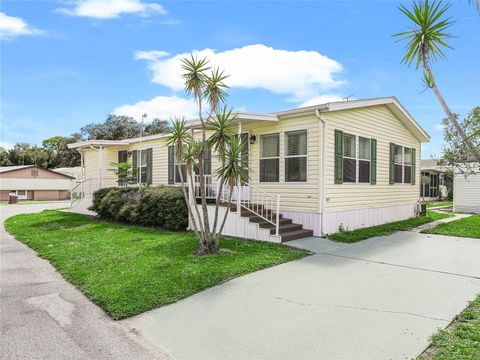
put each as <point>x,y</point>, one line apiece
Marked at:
<point>240,226</point>
<point>359,218</point>
<point>469,209</point>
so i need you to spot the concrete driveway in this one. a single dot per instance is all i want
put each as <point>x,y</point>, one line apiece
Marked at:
<point>377,299</point>
<point>45,317</point>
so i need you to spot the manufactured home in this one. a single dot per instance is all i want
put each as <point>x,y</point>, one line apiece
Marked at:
<point>325,168</point>
<point>433,180</point>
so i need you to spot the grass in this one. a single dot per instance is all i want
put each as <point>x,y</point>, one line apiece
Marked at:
<point>436,204</point>
<point>127,270</point>
<point>466,227</point>
<point>461,340</point>
<point>386,229</point>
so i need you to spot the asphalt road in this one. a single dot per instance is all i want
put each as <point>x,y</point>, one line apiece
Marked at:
<point>45,317</point>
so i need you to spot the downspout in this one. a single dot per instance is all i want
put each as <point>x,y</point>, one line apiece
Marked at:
<point>323,189</point>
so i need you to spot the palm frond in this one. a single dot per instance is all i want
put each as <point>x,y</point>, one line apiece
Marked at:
<point>195,75</point>
<point>215,88</point>
<point>427,39</point>
<point>232,170</point>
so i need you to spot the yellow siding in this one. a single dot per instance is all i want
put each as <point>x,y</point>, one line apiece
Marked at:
<point>159,159</point>
<point>379,123</point>
<point>302,196</point>
<point>91,161</point>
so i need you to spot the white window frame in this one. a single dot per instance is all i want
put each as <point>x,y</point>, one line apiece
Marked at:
<point>349,157</point>
<point>294,156</point>
<point>21,197</point>
<point>399,163</point>
<point>405,165</point>
<point>369,160</point>
<point>261,157</point>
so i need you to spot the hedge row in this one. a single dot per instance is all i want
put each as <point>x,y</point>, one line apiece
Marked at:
<point>162,206</point>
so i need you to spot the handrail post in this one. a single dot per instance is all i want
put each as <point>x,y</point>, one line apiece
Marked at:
<point>277,225</point>
<point>239,204</point>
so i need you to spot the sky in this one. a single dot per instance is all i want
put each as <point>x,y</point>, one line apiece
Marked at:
<point>68,63</point>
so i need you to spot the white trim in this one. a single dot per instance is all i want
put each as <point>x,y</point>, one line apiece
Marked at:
<point>285,157</point>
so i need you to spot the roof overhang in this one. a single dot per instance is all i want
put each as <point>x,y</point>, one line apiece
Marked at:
<point>390,102</point>
<point>97,143</point>
<point>240,117</point>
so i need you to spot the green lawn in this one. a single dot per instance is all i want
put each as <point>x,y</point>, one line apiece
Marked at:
<point>436,204</point>
<point>461,340</point>
<point>467,227</point>
<point>127,270</point>
<point>385,229</point>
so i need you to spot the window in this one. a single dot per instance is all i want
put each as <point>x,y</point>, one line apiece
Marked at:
<point>349,158</point>
<point>142,163</point>
<point>269,158</point>
<point>21,192</point>
<point>398,163</point>
<point>407,165</point>
<point>364,157</point>
<point>296,156</point>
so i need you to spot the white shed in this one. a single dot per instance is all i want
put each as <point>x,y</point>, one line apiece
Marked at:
<point>466,190</point>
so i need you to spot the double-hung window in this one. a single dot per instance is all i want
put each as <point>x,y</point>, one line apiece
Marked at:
<point>398,164</point>
<point>349,158</point>
<point>296,156</point>
<point>407,165</point>
<point>269,158</point>
<point>142,165</point>
<point>364,159</point>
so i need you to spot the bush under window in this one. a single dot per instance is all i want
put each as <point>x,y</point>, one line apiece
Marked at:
<point>162,206</point>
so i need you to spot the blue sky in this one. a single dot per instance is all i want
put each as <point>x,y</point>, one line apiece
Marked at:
<point>65,64</point>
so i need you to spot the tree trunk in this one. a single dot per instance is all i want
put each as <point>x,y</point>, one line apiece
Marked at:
<point>451,117</point>
<point>226,214</point>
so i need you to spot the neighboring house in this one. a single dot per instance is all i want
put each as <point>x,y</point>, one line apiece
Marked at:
<point>30,182</point>
<point>466,189</point>
<point>74,171</point>
<point>341,165</point>
<point>435,188</point>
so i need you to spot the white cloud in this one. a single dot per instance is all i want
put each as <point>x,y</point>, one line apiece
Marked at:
<point>438,127</point>
<point>107,9</point>
<point>301,75</point>
<point>322,99</point>
<point>162,107</point>
<point>11,26</point>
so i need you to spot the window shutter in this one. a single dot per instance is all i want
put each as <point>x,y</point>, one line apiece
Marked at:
<point>338,157</point>
<point>392,164</point>
<point>373,162</point>
<point>135,165</point>
<point>414,162</point>
<point>122,156</point>
<point>171,165</point>
<point>207,161</point>
<point>149,165</point>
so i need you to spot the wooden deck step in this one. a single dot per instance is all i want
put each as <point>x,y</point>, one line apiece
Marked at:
<point>296,234</point>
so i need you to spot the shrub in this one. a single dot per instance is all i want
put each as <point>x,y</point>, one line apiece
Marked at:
<point>97,198</point>
<point>152,206</point>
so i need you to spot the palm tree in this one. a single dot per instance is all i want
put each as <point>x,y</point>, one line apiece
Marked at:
<point>178,137</point>
<point>425,44</point>
<point>232,172</point>
<point>221,127</point>
<point>207,87</point>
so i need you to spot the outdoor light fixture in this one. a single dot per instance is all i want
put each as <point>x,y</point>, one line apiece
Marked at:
<point>252,139</point>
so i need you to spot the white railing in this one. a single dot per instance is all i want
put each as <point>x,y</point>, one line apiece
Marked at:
<point>246,196</point>
<point>262,204</point>
<point>211,189</point>
<point>83,188</point>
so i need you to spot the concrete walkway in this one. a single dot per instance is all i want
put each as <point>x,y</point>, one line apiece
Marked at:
<point>45,317</point>
<point>377,299</point>
<point>432,224</point>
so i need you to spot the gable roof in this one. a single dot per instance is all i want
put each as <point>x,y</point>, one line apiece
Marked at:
<point>391,102</point>
<point>5,169</point>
